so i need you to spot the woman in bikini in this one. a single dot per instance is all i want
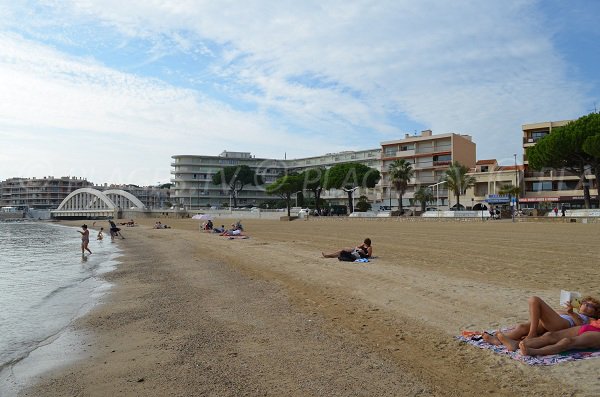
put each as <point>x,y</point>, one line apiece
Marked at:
<point>580,337</point>
<point>543,318</point>
<point>365,250</point>
<point>85,239</point>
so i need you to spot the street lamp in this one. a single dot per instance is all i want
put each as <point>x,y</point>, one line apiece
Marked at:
<point>437,195</point>
<point>517,183</point>
<point>296,193</point>
<point>352,190</point>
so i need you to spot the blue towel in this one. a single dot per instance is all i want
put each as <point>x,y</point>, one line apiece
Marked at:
<point>362,260</point>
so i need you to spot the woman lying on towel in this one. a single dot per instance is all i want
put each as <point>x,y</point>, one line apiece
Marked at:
<point>580,337</point>
<point>365,250</point>
<point>543,318</point>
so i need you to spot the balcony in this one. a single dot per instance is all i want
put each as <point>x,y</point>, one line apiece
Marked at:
<point>445,163</point>
<point>405,153</point>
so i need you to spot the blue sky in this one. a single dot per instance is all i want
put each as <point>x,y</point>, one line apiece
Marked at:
<point>110,90</point>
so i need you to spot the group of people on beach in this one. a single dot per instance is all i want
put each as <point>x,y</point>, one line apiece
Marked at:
<point>85,235</point>
<point>551,332</point>
<point>547,331</point>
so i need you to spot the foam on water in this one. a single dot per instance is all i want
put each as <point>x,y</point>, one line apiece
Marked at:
<point>44,285</point>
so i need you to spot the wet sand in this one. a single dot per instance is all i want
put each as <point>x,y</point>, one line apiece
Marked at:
<point>193,313</point>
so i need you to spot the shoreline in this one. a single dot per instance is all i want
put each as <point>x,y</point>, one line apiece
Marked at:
<point>65,345</point>
<point>194,313</point>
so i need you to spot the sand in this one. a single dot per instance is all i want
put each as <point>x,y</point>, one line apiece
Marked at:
<point>195,314</point>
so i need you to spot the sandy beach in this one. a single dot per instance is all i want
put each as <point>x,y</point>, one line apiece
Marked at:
<point>195,314</point>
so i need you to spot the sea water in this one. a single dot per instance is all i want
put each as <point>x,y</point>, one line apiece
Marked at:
<point>45,283</point>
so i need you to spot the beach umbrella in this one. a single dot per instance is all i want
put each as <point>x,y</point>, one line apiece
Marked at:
<point>203,217</point>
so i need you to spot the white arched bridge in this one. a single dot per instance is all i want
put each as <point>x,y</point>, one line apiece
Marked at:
<point>91,203</point>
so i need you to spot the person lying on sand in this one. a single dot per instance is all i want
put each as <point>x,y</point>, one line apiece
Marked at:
<point>365,250</point>
<point>580,337</point>
<point>543,318</point>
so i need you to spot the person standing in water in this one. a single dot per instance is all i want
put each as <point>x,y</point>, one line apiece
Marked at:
<point>85,239</point>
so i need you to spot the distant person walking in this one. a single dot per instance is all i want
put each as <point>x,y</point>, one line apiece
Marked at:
<point>563,210</point>
<point>114,230</point>
<point>85,239</point>
<point>555,211</point>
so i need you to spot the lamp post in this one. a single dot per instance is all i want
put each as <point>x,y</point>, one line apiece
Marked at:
<point>437,195</point>
<point>296,193</point>
<point>517,183</point>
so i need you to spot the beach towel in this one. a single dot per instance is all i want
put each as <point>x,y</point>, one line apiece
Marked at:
<point>362,260</point>
<point>474,338</point>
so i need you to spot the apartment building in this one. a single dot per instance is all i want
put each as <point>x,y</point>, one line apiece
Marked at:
<point>548,188</point>
<point>430,156</point>
<point>192,176</point>
<point>38,193</point>
<point>490,178</point>
<point>153,197</point>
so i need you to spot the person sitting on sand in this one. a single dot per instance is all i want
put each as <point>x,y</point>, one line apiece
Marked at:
<point>232,232</point>
<point>581,337</point>
<point>543,318</point>
<point>219,229</point>
<point>365,250</point>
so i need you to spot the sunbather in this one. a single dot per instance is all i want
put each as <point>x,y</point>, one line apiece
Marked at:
<point>543,318</point>
<point>365,250</point>
<point>580,337</point>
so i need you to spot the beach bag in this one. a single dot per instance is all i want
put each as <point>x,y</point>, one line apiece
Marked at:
<point>346,256</point>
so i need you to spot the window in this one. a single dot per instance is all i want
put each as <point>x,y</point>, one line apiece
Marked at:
<point>484,168</point>
<point>536,135</point>
<point>567,185</point>
<point>541,186</point>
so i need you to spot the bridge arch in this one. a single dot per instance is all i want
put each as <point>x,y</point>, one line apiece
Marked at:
<point>86,199</point>
<point>123,199</point>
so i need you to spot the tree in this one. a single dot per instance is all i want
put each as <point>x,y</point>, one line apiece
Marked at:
<point>284,187</point>
<point>457,180</point>
<point>313,179</point>
<point>400,174</point>
<point>563,149</point>
<point>511,190</point>
<point>424,195</point>
<point>363,204</point>
<point>349,177</point>
<point>234,178</point>
<point>591,145</point>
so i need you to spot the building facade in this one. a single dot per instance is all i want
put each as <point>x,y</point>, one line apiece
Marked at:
<point>550,188</point>
<point>153,197</point>
<point>490,178</point>
<point>38,193</point>
<point>430,156</point>
<point>192,176</point>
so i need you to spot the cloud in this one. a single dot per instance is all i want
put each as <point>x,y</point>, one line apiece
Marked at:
<point>275,77</point>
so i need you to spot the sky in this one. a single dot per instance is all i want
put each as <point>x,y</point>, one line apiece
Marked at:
<point>110,90</point>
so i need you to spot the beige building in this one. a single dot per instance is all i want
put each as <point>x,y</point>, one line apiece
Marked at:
<point>548,188</point>
<point>430,156</point>
<point>38,193</point>
<point>192,176</point>
<point>490,178</point>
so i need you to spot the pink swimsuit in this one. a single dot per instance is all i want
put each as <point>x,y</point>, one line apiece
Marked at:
<point>588,328</point>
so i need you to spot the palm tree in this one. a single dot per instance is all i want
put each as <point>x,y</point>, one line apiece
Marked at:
<point>511,190</point>
<point>400,173</point>
<point>458,181</point>
<point>424,195</point>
